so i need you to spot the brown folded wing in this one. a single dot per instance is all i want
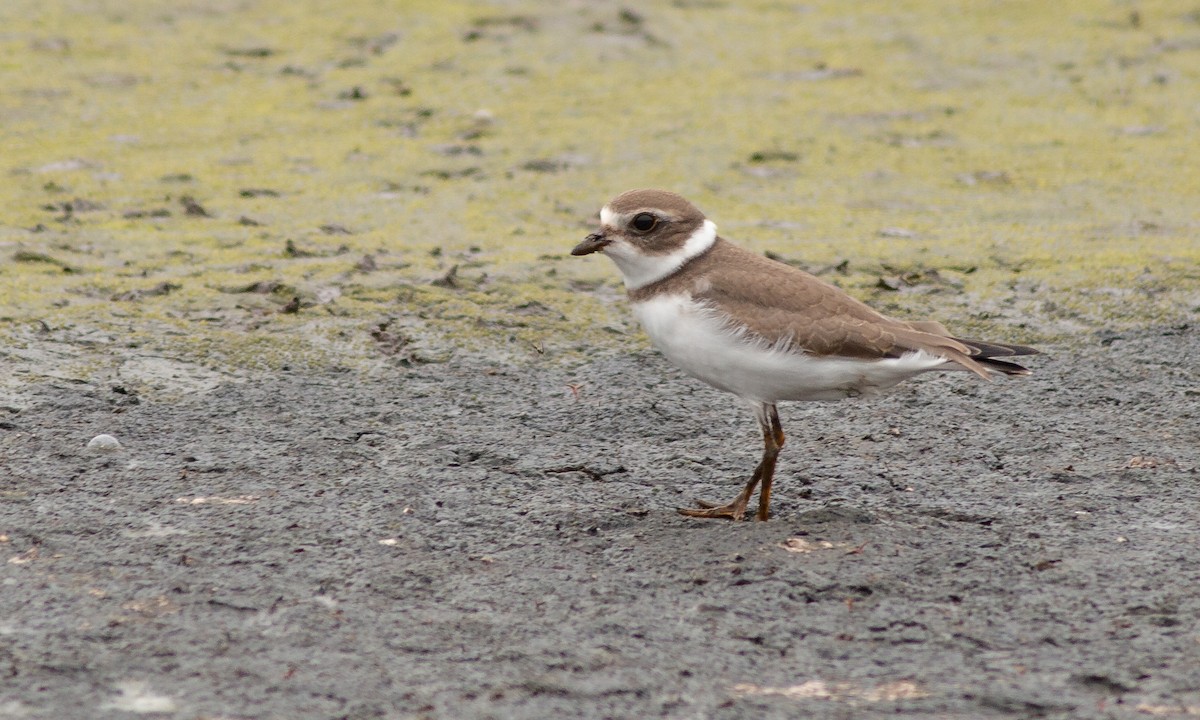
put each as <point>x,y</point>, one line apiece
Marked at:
<point>786,306</point>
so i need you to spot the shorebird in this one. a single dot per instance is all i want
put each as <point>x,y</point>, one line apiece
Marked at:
<point>763,330</point>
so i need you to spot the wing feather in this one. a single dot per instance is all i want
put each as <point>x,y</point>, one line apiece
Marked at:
<point>786,306</point>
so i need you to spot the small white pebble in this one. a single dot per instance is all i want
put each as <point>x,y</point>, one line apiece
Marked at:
<point>104,443</point>
<point>137,697</point>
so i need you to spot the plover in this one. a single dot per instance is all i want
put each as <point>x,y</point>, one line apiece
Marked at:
<point>763,330</point>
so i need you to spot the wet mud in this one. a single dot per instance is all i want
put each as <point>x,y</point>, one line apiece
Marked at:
<point>481,539</point>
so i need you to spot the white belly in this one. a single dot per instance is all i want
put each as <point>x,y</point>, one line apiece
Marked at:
<point>706,347</point>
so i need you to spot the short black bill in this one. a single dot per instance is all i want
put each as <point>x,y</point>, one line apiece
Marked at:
<point>592,243</point>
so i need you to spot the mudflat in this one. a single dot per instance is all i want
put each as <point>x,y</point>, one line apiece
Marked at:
<point>480,539</point>
<point>387,451</point>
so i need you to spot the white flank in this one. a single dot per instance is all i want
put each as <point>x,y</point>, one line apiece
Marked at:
<point>639,269</point>
<point>709,347</point>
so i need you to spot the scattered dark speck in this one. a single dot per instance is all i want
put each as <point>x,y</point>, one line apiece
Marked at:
<point>449,280</point>
<point>390,343</point>
<point>399,87</point>
<point>262,287</point>
<point>154,213</point>
<point>163,288</point>
<point>78,205</point>
<point>632,17</point>
<point>763,156</point>
<point>250,52</point>
<point>297,71</point>
<point>290,250</point>
<point>28,256</point>
<point>451,149</point>
<point>193,208</point>
<point>519,22</point>
<point>446,174</point>
<point>1103,683</point>
<point>376,45</point>
<point>545,166</point>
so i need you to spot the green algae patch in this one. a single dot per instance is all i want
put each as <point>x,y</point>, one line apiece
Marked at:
<point>271,185</point>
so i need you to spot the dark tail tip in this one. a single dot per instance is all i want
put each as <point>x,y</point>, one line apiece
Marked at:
<point>987,354</point>
<point>1003,366</point>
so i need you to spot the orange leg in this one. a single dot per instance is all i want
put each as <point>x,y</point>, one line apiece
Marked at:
<point>768,420</point>
<point>773,440</point>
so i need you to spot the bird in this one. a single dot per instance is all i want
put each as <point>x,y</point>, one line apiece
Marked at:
<point>764,330</point>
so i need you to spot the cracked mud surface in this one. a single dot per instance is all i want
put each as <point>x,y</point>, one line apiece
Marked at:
<point>484,540</point>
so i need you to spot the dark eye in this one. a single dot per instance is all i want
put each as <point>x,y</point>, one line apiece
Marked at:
<point>644,222</point>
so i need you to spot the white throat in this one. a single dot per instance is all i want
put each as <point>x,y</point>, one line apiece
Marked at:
<point>640,269</point>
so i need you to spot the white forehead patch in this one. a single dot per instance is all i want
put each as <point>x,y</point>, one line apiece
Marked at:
<point>607,217</point>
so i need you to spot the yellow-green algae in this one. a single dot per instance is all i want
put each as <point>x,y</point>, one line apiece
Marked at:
<point>1039,156</point>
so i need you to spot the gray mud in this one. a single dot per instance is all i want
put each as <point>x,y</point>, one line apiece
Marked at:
<point>471,540</point>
